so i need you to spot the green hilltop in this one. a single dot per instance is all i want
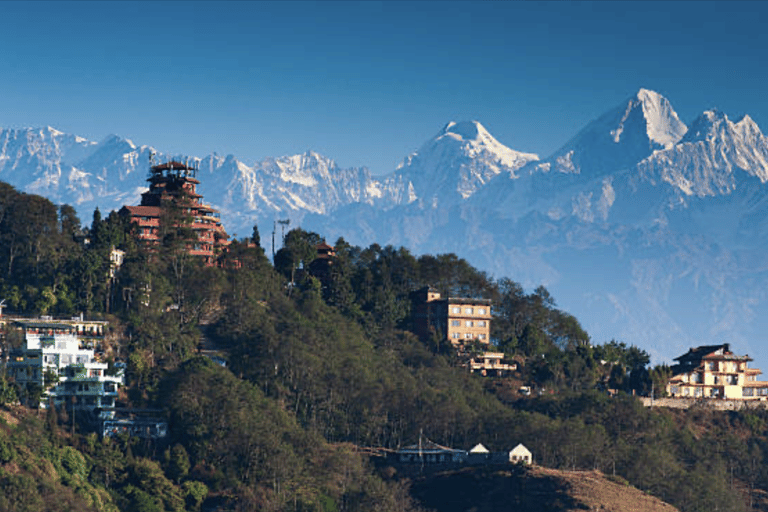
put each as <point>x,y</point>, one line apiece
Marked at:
<point>321,371</point>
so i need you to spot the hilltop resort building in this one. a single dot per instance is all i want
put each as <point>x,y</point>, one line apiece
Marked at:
<point>713,371</point>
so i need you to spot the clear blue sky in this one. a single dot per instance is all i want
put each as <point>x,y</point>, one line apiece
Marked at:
<point>367,83</point>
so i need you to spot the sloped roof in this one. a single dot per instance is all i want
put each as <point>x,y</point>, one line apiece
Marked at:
<point>143,211</point>
<point>695,357</point>
<point>427,446</point>
<point>520,448</point>
<point>479,448</point>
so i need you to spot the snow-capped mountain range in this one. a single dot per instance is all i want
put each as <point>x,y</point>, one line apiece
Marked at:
<point>648,230</point>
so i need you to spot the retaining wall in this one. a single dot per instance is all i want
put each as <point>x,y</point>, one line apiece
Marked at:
<point>709,403</point>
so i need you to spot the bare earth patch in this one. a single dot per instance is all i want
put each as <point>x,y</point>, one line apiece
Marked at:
<point>594,490</point>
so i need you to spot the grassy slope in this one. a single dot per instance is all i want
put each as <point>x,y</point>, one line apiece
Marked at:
<point>490,489</point>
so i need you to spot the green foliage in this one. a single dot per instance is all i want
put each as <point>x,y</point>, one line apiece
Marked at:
<point>7,451</point>
<point>194,494</point>
<point>8,394</point>
<point>178,463</point>
<point>74,462</point>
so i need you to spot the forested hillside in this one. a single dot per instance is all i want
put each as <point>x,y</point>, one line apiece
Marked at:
<point>316,370</point>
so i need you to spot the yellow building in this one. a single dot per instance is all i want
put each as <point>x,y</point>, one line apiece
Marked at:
<point>713,371</point>
<point>458,320</point>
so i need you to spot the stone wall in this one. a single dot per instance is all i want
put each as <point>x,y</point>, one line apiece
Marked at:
<point>709,403</point>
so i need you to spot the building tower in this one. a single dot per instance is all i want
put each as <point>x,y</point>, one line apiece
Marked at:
<point>173,185</point>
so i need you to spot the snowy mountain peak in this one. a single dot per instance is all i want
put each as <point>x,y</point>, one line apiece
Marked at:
<point>620,138</point>
<point>663,125</point>
<point>454,164</point>
<point>53,131</point>
<point>652,112</point>
<point>705,161</point>
<point>467,130</point>
<point>748,127</point>
<point>706,126</point>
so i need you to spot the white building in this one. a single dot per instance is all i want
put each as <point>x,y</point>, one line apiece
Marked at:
<point>520,454</point>
<point>70,375</point>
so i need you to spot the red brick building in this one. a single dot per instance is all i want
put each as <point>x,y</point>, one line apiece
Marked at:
<point>174,184</point>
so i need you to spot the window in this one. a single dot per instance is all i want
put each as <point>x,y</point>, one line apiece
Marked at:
<point>468,311</point>
<point>747,392</point>
<point>456,335</point>
<point>456,310</point>
<point>481,311</point>
<point>468,336</point>
<point>455,323</point>
<point>481,336</point>
<point>481,323</point>
<point>469,323</point>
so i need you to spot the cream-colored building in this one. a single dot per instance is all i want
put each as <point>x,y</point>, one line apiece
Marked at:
<point>491,363</point>
<point>713,371</point>
<point>459,320</point>
<point>520,455</point>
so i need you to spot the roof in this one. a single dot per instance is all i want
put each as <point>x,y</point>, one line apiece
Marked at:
<point>44,325</point>
<point>479,448</point>
<point>143,211</point>
<point>701,351</point>
<point>427,446</point>
<point>172,166</point>
<point>695,357</point>
<point>324,246</point>
<point>520,448</point>
<point>467,300</point>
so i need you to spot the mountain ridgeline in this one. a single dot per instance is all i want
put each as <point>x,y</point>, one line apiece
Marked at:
<point>649,230</point>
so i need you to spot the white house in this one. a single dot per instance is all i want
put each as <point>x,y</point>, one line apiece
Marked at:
<point>70,375</point>
<point>520,454</point>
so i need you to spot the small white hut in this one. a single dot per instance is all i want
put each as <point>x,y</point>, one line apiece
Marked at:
<point>520,455</point>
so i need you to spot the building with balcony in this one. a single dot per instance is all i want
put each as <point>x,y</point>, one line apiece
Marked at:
<point>172,198</point>
<point>458,320</point>
<point>68,374</point>
<point>491,364</point>
<point>713,371</point>
<point>144,423</point>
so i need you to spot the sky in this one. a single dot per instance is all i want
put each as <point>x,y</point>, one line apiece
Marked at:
<point>366,83</point>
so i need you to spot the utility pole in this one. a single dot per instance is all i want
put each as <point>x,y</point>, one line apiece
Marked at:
<point>274,228</point>
<point>283,223</point>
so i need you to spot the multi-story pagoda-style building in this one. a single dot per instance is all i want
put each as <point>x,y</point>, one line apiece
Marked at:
<point>172,185</point>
